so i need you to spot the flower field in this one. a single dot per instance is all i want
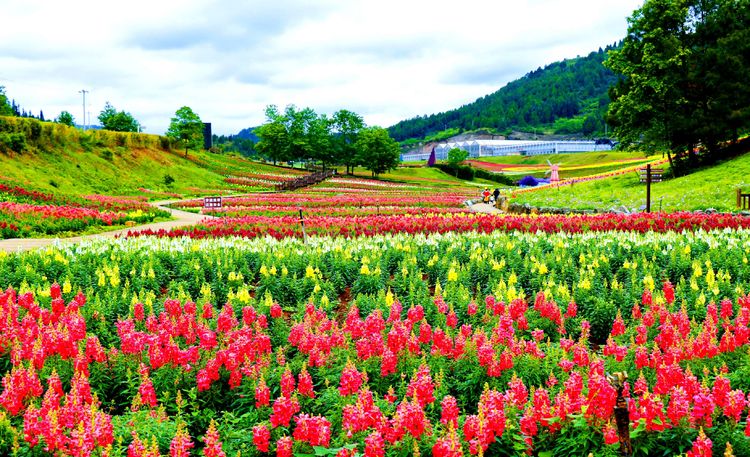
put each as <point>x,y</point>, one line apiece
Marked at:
<point>449,344</point>
<point>343,197</point>
<point>26,213</point>
<point>280,222</point>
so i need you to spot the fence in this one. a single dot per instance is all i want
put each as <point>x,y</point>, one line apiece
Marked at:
<point>306,180</point>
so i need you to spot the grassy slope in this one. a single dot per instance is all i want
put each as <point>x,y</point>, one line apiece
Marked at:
<point>64,160</point>
<point>79,169</point>
<point>426,176</point>
<point>571,165</point>
<point>580,158</point>
<point>713,187</point>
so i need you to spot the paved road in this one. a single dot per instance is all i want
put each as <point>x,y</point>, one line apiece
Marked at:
<point>182,219</point>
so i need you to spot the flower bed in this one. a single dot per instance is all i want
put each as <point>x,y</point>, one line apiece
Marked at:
<point>444,345</point>
<point>369,225</point>
<point>26,213</point>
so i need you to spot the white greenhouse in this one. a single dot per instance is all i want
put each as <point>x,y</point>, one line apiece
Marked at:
<point>489,148</point>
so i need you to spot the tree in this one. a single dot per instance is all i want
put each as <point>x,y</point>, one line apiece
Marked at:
<point>186,128</point>
<point>274,141</point>
<point>346,126</point>
<point>117,121</point>
<point>5,108</point>
<point>378,152</point>
<point>65,118</point>
<point>684,67</point>
<point>456,156</point>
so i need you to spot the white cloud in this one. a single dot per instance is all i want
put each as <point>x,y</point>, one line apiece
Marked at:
<point>387,60</point>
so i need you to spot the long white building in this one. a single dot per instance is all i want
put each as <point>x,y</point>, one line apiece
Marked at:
<point>489,148</point>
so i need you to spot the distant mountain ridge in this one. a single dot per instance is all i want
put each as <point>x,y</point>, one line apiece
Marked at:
<point>248,134</point>
<point>569,96</point>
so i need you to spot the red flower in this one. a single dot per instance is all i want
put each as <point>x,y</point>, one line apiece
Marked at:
<point>181,444</point>
<point>701,446</point>
<point>421,386</point>
<point>610,434</point>
<point>213,442</point>
<point>146,389</point>
<point>449,411</point>
<point>262,394</point>
<point>283,410</point>
<point>261,437</point>
<point>276,311</point>
<point>315,430</point>
<point>374,445</point>
<point>351,380</point>
<point>284,447</point>
<point>287,383</point>
<point>305,384</point>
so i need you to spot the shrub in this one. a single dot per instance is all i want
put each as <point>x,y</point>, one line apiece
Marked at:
<point>15,142</point>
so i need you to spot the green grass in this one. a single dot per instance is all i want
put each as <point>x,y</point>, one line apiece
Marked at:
<point>713,187</point>
<point>64,160</point>
<point>580,158</point>
<point>426,176</point>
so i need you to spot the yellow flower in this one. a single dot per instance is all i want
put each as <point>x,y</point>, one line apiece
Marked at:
<point>648,282</point>
<point>66,288</point>
<point>310,272</point>
<point>452,275</point>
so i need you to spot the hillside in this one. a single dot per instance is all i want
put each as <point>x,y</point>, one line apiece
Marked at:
<point>713,187</point>
<point>54,158</point>
<point>568,97</point>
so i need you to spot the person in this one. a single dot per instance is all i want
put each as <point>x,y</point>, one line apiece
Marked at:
<point>486,196</point>
<point>496,194</point>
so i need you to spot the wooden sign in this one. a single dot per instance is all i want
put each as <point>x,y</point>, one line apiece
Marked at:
<point>656,174</point>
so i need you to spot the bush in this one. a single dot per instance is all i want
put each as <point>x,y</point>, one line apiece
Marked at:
<point>168,180</point>
<point>106,154</point>
<point>15,142</point>
<point>459,171</point>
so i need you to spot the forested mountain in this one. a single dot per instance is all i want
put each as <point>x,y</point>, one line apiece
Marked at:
<point>565,97</point>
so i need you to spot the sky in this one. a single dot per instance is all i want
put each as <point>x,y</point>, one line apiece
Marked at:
<point>387,60</point>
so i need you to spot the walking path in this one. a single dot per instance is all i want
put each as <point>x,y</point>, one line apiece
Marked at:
<point>182,219</point>
<point>484,208</point>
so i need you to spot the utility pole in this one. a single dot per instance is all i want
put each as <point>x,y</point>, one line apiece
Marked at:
<point>84,91</point>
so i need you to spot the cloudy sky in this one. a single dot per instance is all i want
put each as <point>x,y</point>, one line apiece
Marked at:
<point>387,60</point>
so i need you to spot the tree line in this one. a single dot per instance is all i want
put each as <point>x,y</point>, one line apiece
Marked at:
<point>343,139</point>
<point>685,86</point>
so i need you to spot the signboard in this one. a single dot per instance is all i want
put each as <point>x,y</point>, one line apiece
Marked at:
<point>212,202</point>
<point>656,174</point>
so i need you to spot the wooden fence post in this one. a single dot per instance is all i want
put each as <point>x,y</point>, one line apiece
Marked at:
<point>648,188</point>
<point>622,415</point>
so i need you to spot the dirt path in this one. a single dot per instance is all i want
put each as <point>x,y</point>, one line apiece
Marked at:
<point>182,219</point>
<point>484,208</point>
